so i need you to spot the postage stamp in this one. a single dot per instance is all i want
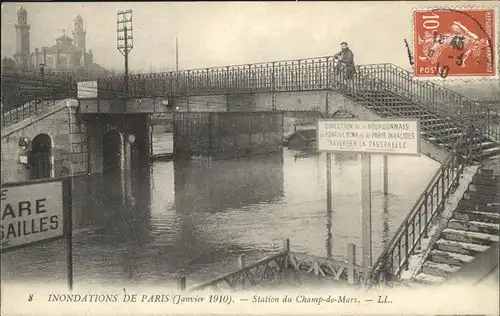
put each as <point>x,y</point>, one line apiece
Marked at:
<point>455,43</point>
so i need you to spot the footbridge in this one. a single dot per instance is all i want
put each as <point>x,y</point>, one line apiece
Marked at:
<point>376,91</point>
<point>50,128</point>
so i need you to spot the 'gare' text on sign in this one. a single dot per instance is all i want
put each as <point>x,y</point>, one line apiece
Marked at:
<point>31,213</point>
<point>378,137</point>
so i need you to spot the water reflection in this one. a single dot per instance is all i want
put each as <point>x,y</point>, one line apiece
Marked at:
<point>118,203</point>
<point>215,186</point>
<point>200,216</point>
<point>386,236</point>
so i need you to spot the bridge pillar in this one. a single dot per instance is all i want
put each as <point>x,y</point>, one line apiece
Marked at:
<point>134,141</point>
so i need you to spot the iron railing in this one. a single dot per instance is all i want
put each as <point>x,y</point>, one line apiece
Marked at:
<point>282,267</point>
<point>436,98</point>
<point>280,76</point>
<point>25,111</point>
<point>430,204</point>
<point>312,74</point>
<point>49,73</point>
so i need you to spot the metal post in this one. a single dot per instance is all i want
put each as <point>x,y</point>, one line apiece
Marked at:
<point>69,233</point>
<point>124,40</point>
<point>329,182</point>
<point>286,258</point>
<point>181,283</point>
<point>42,72</point>
<point>351,262</point>
<point>366,216</point>
<point>274,89</point>
<point>241,265</point>
<point>386,176</point>
<point>126,63</point>
<point>176,55</point>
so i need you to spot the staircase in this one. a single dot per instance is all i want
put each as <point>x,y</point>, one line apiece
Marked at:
<point>440,130</point>
<point>472,229</point>
<point>25,111</point>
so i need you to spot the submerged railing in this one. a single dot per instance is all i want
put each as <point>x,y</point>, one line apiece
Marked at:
<point>430,204</point>
<point>280,268</point>
<point>311,74</point>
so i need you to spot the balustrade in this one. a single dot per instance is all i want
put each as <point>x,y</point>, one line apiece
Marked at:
<point>431,203</point>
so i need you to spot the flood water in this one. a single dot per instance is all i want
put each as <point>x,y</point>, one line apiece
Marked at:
<point>199,216</point>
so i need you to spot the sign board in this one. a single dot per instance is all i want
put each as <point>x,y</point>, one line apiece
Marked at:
<point>386,137</point>
<point>33,212</point>
<point>87,90</point>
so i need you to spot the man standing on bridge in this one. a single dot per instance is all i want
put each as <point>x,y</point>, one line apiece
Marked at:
<point>345,61</point>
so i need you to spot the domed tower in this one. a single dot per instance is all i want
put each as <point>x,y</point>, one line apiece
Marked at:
<point>79,34</point>
<point>22,55</point>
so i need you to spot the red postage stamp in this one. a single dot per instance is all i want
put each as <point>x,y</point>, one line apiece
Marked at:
<point>455,43</point>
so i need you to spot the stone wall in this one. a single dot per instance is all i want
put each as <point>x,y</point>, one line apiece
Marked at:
<point>209,103</point>
<point>59,122</point>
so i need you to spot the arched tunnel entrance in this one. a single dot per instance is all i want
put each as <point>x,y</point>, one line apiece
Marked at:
<point>112,152</point>
<point>40,157</point>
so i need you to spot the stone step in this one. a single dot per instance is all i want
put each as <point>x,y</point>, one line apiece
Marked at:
<point>431,120</point>
<point>451,134</point>
<point>464,248</point>
<point>439,269</point>
<point>486,180</point>
<point>483,197</point>
<point>472,205</point>
<point>490,151</point>
<point>423,278</point>
<point>444,138</point>
<point>468,237</point>
<point>484,189</point>
<point>485,145</point>
<point>441,126</point>
<point>396,106</point>
<point>476,216</point>
<point>486,171</point>
<point>449,258</point>
<point>472,226</point>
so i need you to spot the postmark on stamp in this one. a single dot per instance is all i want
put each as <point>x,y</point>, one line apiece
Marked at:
<point>455,43</point>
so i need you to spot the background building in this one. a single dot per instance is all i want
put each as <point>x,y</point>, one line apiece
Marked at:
<point>67,54</point>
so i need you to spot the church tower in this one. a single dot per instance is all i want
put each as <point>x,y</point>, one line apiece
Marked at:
<point>79,34</point>
<point>22,55</point>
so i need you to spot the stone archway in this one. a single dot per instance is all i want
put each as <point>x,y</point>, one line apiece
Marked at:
<point>40,158</point>
<point>112,152</point>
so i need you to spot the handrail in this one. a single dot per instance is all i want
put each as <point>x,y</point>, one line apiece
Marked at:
<point>296,75</point>
<point>429,205</point>
<point>281,264</point>
<point>441,100</point>
<point>27,110</point>
<point>242,273</point>
<point>48,72</point>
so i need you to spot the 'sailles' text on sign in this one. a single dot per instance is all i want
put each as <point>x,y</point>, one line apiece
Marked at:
<point>31,213</point>
<point>399,137</point>
<point>87,90</point>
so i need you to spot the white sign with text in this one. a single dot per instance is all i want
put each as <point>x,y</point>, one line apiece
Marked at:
<point>31,213</point>
<point>397,137</point>
<point>87,90</point>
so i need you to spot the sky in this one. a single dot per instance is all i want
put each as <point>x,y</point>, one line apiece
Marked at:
<point>217,34</point>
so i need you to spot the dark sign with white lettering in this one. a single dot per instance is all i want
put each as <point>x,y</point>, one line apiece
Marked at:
<point>33,211</point>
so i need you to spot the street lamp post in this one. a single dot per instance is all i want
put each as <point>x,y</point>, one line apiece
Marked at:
<point>42,73</point>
